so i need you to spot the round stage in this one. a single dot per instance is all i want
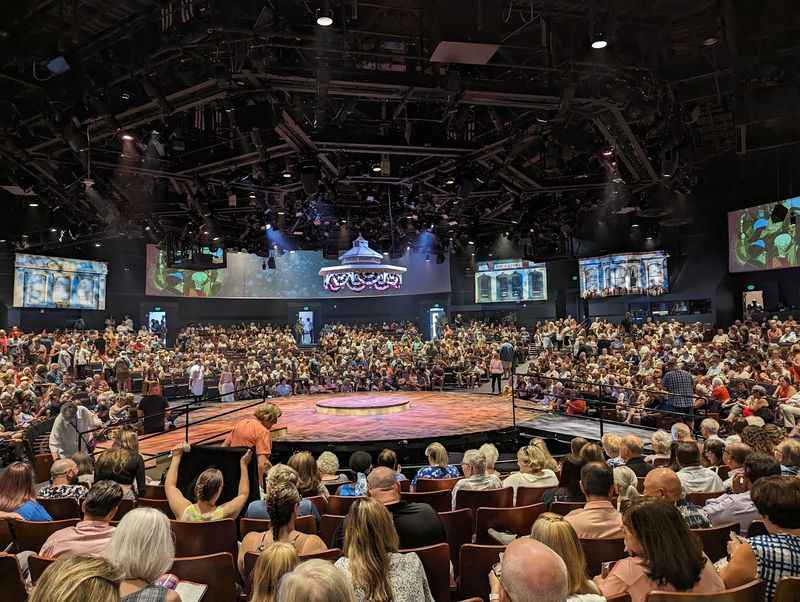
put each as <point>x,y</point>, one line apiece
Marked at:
<point>363,405</point>
<point>342,418</point>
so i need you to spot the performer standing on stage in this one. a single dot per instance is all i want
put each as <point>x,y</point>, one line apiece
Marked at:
<point>255,432</point>
<point>196,374</point>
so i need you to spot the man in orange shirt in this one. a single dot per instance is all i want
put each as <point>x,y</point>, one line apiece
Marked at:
<point>255,432</point>
<point>598,519</point>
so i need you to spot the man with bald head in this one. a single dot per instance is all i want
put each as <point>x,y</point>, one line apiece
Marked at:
<point>631,452</point>
<point>664,483</point>
<point>63,481</point>
<point>529,572</point>
<point>417,524</point>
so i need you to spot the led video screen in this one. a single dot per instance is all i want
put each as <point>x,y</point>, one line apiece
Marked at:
<point>763,238</point>
<point>56,282</point>
<point>296,276</point>
<point>509,280</point>
<point>624,274</point>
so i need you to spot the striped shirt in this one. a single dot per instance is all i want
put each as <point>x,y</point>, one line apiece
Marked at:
<point>777,556</point>
<point>679,384</point>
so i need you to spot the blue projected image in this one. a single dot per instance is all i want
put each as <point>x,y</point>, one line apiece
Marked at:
<point>624,274</point>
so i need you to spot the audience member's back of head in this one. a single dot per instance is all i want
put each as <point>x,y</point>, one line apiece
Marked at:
<point>142,545</point>
<point>277,559</point>
<point>576,445</point>
<point>532,572</point>
<point>777,500</point>
<point>557,534</point>
<point>597,479</point>
<point>387,458</point>
<point>315,581</point>
<point>687,454</point>
<point>78,579</point>
<point>592,453</point>
<point>360,461</point>
<point>759,465</point>
<point>571,474</point>
<point>102,499</point>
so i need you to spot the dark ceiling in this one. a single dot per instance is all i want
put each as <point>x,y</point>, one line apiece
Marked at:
<point>244,113</point>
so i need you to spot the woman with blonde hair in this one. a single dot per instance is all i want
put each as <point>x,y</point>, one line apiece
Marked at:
<point>557,534</point>
<point>625,481</point>
<point>283,502</point>
<point>126,438</point>
<point>142,549</point>
<point>491,453</point>
<point>372,563</point>
<point>207,490</point>
<point>315,581</point>
<point>438,465</point>
<point>78,579</point>
<point>310,482</point>
<point>532,471</point>
<point>549,460</point>
<point>277,559</point>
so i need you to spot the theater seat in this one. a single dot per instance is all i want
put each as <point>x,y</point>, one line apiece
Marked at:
<point>487,498</point>
<point>327,527</point>
<point>441,501</point>
<point>512,520</point>
<point>458,525</point>
<point>475,563</point>
<point>160,505</point>
<point>61,507</point>
<point>217,571</point>
<point>340,504</point>
<point>788,590</point>
<point>31,535</point>
<point>37,565</point>
<point>598,551</point>
<point>204,538</point>
<point>700,498</point>
<point>423,485</point>
<point>749,592</point>
<point>715,539</point>
<point>527,496</point>
<point>564,508</point>
<point>12,583</point>
<point>154,492</point>
<point>436,561</point>
<point>124,507</point>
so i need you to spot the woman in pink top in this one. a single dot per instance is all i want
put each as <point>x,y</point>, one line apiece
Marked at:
<point>496,371</point>
<point>664,555</point>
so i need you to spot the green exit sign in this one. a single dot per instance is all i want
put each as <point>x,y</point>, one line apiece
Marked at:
<point>157,308</point>
<point>305,308</point>
<point>751,287</point>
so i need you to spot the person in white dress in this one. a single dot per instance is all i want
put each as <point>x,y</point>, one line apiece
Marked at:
<point>196,374</point>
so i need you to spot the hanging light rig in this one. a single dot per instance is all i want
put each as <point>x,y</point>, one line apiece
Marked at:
<point>362,268</point>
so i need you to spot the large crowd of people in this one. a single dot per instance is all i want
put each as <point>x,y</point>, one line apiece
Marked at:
<point>728,453</point>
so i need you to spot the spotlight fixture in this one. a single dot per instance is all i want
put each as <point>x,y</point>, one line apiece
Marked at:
<point>712,41</point>
<point>126,96</point>
<point>252,195</point>
<point>215,238</point>
<point>286,173</point>
<point>98,244</point>
<point>634,225</point>
<point>53,230</point>
<point>608,152</point>
<point>147,228</point>
<point>324,17</point>
<point>427,257</point>
<point>376,168</point>
<point>127,137</point>
<point>471,242</point>
<point>599,42</point>
<point>268,226</point>
<point>33,204</point>
<point>450,181</point>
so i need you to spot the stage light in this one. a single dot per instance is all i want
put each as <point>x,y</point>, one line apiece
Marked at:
<point>215,238</point>
<point>427,257</point>
<point>268,226</point>
<point>450,181</point>
<point>53,230</point>
<point>281,213</point>
<point>324,17</point>
<point>634,225</point>
<point>286,173</point>
<point>376,168</point>
<point>205,232</point>
<point>608,152</point>
<point>712,41</point>
<point>127,137</point>
<point>126,96</point>
<point>98,244</point>
<point>599,42</point>
<point>252,195</point>
<point>33,204</point>
<point>147,228</point>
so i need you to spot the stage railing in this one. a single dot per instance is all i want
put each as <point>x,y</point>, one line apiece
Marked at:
<point>183,409</point>
<point>594,398</point>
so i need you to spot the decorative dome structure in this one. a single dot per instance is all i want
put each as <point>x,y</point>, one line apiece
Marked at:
<point>362,268</point>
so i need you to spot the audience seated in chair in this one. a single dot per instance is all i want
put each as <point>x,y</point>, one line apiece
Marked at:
<point>631,452</point>
<point>281,473</point>
<point>283,502</point>
<point>530,570</point>
<point>78,579</point>
<point>328,465</point>
<point>438,465</point>
<point>17,495</point>
<point>91,535</point>
<point>63,481</point>
<point>665,555</point>
<point>598,518</point>
<point>694,477</point>
<point>315,581</point>
<point>142,548</point>
<point>475,478</point>
<point>532,471</point>
<point>277,559</point>
<point>664,483</point>
<point>372,563</point>
<point>775,555</point>
<point>360,464</point>
<point>739,507</point>
<point>207,490</point>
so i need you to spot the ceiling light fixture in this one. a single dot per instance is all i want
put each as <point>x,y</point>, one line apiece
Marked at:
<point>98,244</point>
<point>712,41</point>
<point>376,168</point>
<point>127,137</point>
<point>33,204</point>
<point>599,41</point>
<point>324,17</point>
<point>286,173</point>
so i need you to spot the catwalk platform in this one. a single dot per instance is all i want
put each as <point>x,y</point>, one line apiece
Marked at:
<point>321,421</point>
<point>565,428</point>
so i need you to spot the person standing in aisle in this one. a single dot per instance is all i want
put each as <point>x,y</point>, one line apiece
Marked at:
<point>196,374</point>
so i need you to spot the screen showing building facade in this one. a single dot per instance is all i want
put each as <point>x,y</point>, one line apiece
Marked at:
<point>296,276</point>
<point>624,274</point>
<point>509,280</point>
<point>56,282</point>
<point>763,237</point>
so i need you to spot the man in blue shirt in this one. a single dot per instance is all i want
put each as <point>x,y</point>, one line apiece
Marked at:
<point>680,386</point>
<point>283,389</point>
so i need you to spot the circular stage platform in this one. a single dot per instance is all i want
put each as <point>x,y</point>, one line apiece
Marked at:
<point>363,405</point>
<point>413,416</point>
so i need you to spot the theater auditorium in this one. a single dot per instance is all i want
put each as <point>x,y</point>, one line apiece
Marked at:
<point>399,301</point>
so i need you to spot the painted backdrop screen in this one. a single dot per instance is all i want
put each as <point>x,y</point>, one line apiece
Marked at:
<point>48,282</point>
<point>624,274</point>
<point>296,276</point>
<point>756,242</point>
<point>508,280</point>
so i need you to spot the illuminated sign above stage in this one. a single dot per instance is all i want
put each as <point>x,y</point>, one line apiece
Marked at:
<point>361,269</point>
